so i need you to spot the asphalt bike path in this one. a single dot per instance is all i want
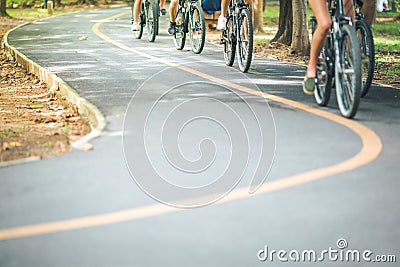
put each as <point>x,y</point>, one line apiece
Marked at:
<point>329,178</point>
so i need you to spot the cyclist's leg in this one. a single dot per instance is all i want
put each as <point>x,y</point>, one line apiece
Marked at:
<point>222,19</point>
<point>173,8</point>
<point>250,3</point>
<point>162,7</point>
<point>136,15</point>
<point>136,10</point>
<point>324,22</point>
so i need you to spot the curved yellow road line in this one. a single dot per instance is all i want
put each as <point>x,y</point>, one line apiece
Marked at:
<point>371,148</point>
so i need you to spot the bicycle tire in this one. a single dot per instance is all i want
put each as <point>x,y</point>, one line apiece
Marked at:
<point>348,72</point>
<point>323,89</point>
<point>366,39</point>
<point>197,29</point>
<point>244,43</point>
<point>139,33</point>
<point>158,15</point>
<point>151,20</point>
<point>180,34</point>
<point>229,42</point>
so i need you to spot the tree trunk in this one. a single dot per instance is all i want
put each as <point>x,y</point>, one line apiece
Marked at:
<point>300,40</point>
<point>284,34</point>
<point>258,22</point>
<point>369,10</point>
<point>3,12</point>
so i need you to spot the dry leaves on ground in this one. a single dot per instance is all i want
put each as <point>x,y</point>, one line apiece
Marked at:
<point>33,122</point>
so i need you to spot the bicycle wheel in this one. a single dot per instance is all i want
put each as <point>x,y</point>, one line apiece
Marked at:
<point>197,31</point>
<point>139,33</point>
<point>180,34</point>
<point>323,88</point>
<point>158,15</point>
<point>366,40</point>
<point>348,72</point>
<point>151,20</point>
<point>244,40</point>
<point>229,40</point>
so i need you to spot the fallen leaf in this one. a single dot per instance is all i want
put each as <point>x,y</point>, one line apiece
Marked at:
<point>85,147</point>
<point>45,120</point>
<point>10,145</point>
<point>36,106</point>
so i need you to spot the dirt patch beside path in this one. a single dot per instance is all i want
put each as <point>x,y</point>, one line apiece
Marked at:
<point>33,121</point>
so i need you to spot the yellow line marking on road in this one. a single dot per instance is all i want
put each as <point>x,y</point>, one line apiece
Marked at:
<point>371,148</point>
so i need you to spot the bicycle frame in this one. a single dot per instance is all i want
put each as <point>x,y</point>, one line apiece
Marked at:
<point>190,19</point>
<point>185,5</point>
<point>238,26</point>
<point>338,18</point>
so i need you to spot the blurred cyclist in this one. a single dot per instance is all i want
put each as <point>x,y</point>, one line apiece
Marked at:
<point>324,22</point>
<point>224,8</point>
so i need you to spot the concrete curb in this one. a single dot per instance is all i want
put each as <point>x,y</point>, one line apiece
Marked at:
<point>86,109</point>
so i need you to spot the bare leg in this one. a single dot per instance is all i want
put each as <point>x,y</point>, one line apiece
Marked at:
<point>250,2</point>
<point>173,8</point>
<point>224,7</point>
<point>323,24</point>
<point>136,10</point>
<point>162,4</point>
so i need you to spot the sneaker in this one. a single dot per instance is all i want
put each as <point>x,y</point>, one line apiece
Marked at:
<point>172,28</point>
<point>163,11</point>
<point>135,27</point>
<point>221,23</point>
<point>309,86</point>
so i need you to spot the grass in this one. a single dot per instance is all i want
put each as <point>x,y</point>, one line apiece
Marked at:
<point>386,28</point>
<point>384,45</point>
<point>11,132</point>
<point>36,106</point>
<point>47,145</point>
<point>270,15</point>
<point>66,128</point>
<point>35,13</point>
<point>386,32</point>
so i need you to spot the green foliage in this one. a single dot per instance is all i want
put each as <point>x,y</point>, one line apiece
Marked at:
<point>36,106</point>
<point>66,128</point>
<point>34,13</point>
<point>47,145</point>
<point>21,3</point>
<point>386,32</point>
<point>387,28</point>
<point>271,15</point>
<point>11,132</point>
<point>387,45</point>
